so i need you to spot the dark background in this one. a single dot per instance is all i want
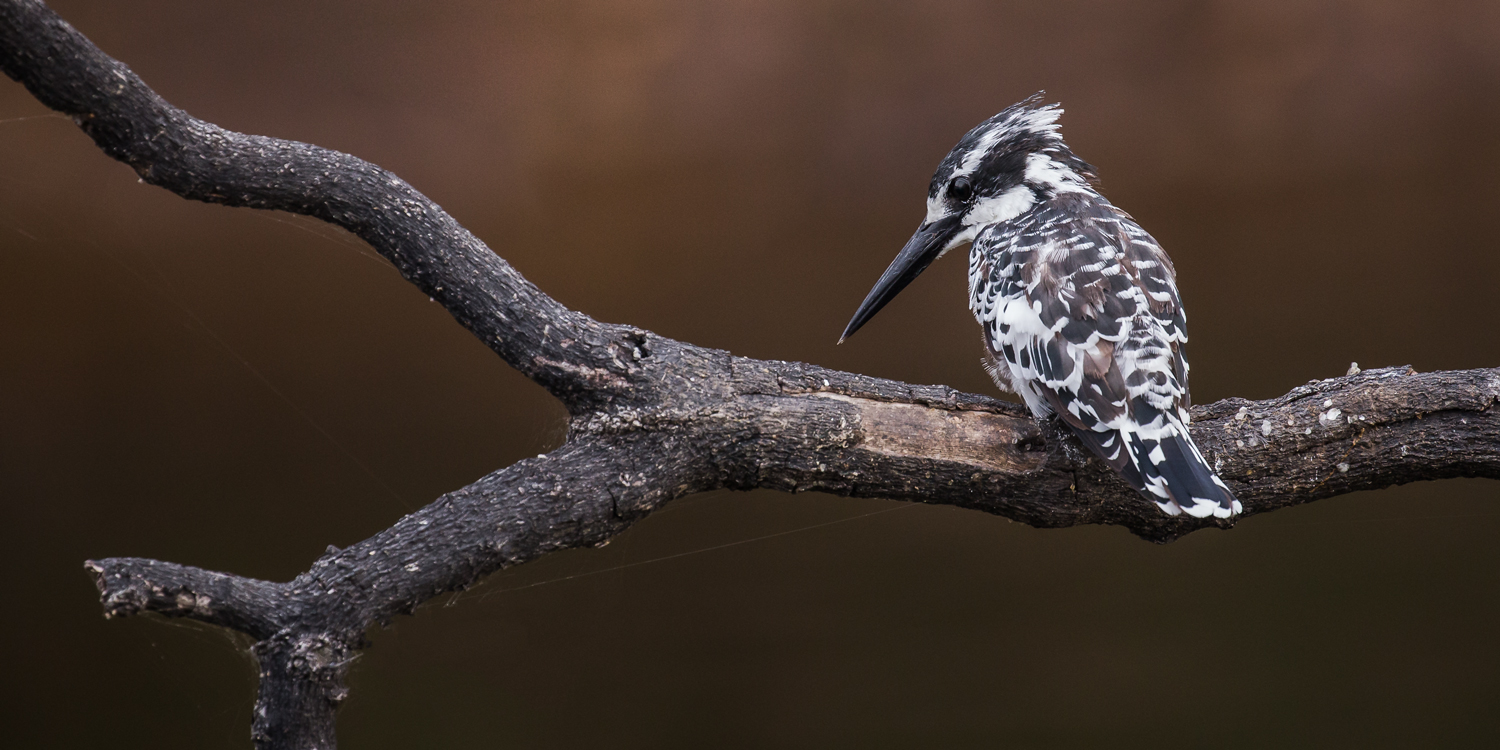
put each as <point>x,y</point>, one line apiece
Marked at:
<point>237,390</point>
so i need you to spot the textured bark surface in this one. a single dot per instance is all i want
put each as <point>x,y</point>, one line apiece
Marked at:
<point>653,419</point>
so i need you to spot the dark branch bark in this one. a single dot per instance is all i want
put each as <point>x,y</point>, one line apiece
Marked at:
<point>655,419</point>
<point>132,585</point>
<point>202,161</point>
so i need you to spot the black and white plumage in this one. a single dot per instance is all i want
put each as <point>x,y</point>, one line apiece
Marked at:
<point>1078,304</point>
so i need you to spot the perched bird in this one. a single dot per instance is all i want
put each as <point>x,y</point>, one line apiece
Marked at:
<point>1078,304</point>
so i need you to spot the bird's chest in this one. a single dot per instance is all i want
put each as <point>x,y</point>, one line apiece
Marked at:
<point>998,276</point>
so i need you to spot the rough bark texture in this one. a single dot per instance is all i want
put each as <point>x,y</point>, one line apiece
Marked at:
<point>654,419</point>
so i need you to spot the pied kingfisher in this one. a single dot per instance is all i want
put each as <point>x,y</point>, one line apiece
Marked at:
<point>1078,304</point>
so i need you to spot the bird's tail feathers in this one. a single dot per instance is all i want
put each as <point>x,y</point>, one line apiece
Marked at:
<point>1166,467</point>
<point>1190,486</point>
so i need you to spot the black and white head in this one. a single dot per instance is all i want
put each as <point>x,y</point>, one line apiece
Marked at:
<point>997,172</point>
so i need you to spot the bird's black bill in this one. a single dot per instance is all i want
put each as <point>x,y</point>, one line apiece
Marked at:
<point>921,250</point>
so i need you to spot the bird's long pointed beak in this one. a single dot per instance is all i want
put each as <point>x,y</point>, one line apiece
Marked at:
<point>921,250</point>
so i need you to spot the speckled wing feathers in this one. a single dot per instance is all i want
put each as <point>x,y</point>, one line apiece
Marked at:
<point>1081,317</point>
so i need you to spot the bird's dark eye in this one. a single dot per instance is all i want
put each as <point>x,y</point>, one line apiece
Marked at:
<point>960,189</point>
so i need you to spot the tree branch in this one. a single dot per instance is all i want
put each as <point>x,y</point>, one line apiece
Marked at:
<point>653,419</point>
<point>166,146</point>
<point>130,585</point>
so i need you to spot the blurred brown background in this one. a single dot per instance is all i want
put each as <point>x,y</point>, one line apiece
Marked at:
<point>237,390</point>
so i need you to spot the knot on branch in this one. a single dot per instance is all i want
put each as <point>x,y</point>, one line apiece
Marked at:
<point>605,365</point>
<point>316,658</point>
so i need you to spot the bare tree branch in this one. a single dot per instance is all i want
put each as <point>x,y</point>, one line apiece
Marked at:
<point>653,419</point>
